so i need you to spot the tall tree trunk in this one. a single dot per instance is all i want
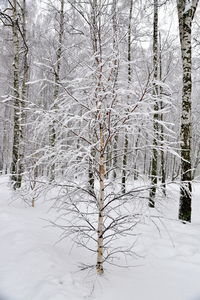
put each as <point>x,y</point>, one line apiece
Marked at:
<point>114,80</point>
<point>186,12</point>
<point>16,164</point>
<point>154,161</point>
<point>126,142</point>
<point>162,154</point>
<point>95,30</point>
<point>100,230</point>
<point>25,76</point>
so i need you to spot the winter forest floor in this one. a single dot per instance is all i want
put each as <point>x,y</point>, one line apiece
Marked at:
<point>33,266</point>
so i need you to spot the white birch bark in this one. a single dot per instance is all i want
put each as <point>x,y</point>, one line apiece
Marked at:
<point>185,16</point>
<point>16,164</point>
<point>154,161</point>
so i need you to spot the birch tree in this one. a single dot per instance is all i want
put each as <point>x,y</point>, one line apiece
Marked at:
<point>154,159</point>
<point>16,165</point>
<point>129,58</point>
<point>88,93</point>
<point>15,16</point>
<point>24,75</point>
<point>186,13</point>
<point>162,154</point>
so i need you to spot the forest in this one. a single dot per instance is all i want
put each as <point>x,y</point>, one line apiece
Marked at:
<point>99,149</point>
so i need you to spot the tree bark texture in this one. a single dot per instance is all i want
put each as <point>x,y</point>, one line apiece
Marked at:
<point>162,154</point>
<point>154,162</point>
<point>100,230</point>
<point>186,14</point>
<point>16,164</point>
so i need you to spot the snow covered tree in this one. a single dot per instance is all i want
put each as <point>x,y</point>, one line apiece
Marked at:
<point>102,104</point>
<point>96,102</point>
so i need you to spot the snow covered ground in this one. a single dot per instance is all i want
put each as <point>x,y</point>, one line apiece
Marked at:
<point>34,267</point>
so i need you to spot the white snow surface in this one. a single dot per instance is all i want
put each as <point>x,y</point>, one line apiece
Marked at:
<point>33,266</point>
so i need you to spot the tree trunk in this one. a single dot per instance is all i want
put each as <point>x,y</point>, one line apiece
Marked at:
<point>124,164</point>
<point>135,171</point>
<point>25,75</point>
<point>162,154</point>
<point>100,230</point>
<point>91,172</point>
<point>126,142</point>
<point>154,161</point>
<point>186,14</point>
<point>16,164</point>
<point>115,160</point>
